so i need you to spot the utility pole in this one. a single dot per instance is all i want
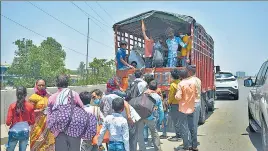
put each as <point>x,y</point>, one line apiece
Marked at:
<point>87,49</point>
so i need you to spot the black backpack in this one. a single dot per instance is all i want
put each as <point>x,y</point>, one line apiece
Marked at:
<point>144,105</point>
<point>132,91</point>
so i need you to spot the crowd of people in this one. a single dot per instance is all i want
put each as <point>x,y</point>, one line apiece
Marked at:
<point>173,46</point>
<point>68,121</point>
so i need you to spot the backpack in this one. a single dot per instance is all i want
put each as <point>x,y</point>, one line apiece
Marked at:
<point>20,131</point>
<point>73,120</point>
<point>144,105</point>
<point>132,91</point>
<point>158,59</point>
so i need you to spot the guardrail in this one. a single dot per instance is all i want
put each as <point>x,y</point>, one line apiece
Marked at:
<point>9,96</point>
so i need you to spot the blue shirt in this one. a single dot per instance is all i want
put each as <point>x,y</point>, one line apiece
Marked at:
<point>117,126</point>
<point>121,53</point>
<point>159,106</point>
<point>173,45</point>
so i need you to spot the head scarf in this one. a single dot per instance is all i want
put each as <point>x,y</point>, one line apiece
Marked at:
<point>112,84</point>
<point>42,92</point>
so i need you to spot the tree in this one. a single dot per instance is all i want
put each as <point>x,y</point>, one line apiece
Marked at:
<point>33,62</point>
<point>101,70</point>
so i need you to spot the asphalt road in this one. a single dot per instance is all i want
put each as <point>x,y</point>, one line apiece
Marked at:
<point>226,129</point>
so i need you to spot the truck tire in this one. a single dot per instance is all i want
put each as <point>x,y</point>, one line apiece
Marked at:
<point>203,112</point>
<point>212,106</point>
<point>236,96</point>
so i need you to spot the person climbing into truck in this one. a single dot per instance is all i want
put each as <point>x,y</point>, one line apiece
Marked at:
<point>173,42</point>
<point>185,51</point>
<point>121,57</point>
<point>149,44</point>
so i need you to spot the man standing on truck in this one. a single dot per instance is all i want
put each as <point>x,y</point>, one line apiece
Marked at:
<point>173,43</point>
<point>121,57</point>
<point>185,52</point>
<point>149,44</point>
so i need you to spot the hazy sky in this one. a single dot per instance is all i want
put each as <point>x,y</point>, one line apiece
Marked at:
<point>239,29</point>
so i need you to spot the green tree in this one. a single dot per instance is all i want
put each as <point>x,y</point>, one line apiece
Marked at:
<point>101,70</point>
<point>32,62</point>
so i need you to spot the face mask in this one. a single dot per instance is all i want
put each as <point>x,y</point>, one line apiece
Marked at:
<point>97,101</point>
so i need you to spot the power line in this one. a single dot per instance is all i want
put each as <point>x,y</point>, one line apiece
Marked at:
<point>68,25</point>
<point>105,11</point>
<point>38,33</point>
<point>95,12</point>
<point>88,15</point>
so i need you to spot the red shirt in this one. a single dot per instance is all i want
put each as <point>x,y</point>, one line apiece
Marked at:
<point>27,115</point>
<point>148,50</point>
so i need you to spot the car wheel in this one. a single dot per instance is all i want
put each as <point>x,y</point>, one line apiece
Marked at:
<point>264,134</point>
<point>249,125</point>
<point>236,96</point>
<point>203,112</point>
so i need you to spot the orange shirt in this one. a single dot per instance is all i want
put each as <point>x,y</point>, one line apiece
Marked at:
<point>186,96</point>
<point>148,50</point>
<point>27,115</point>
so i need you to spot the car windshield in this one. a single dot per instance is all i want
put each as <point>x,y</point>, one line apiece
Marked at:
<point>223,75</point>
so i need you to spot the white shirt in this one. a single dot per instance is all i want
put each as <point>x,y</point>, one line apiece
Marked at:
<point>117,126</point>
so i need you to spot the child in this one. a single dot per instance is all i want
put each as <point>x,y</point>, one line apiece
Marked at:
<point>20,115</point>
<point>165,120</point>
<point>95,110</point>
<point>117,126</point>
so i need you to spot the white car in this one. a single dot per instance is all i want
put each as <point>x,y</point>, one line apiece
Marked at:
<point>226,85</point>
<point>258,104</point>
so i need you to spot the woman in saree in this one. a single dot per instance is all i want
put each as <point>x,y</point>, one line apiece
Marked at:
<point>41,139</point>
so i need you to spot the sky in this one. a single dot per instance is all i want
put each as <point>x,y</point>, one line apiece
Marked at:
<point>239,29</point>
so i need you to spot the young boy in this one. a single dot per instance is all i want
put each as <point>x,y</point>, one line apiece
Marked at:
<point>117,126</point>
<point>165,120</point>
<point>95,110</point>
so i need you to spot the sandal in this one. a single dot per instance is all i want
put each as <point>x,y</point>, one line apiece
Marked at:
<point>193,149</point>
<point>163,137</point>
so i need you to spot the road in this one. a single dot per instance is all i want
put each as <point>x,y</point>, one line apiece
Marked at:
<point>226,129</point>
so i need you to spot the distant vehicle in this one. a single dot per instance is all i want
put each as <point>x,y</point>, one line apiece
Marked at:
<point>258,104</point>
<point>202,54</point>
<point>226,85</point>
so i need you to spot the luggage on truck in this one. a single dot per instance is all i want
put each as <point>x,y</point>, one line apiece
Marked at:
<point>158,59</point>
<point>144,105</point>
<point>136,56</point>
<point>132,91</point>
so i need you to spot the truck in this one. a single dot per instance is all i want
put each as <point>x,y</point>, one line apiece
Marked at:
<point>201,54</point>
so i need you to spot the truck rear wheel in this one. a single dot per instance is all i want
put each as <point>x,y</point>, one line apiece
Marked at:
<point>203,112</point>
